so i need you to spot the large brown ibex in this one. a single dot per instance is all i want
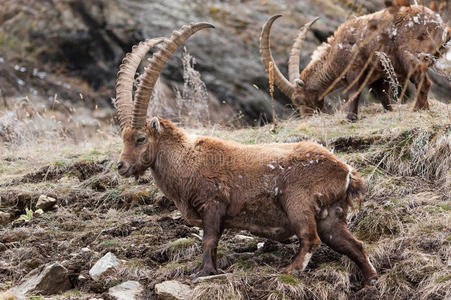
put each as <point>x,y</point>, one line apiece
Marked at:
<point>274,191</point>
<point>402,41</point>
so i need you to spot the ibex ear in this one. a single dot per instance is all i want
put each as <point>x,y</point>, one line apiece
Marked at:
<point>299,83</point>
<point>154,127</point>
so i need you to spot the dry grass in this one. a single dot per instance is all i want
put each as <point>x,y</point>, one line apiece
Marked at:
<point>405,222</point>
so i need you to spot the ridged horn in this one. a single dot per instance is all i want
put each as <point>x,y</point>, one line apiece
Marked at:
<point>293,62</point>
<point>153,69</point>
<point>125,79</point>
<point>282,83</point>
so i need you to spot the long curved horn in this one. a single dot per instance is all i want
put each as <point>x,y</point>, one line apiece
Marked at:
<point>282,83</point>
<point>125,79</point>
<point>293,62</point>
<point>153,69</point>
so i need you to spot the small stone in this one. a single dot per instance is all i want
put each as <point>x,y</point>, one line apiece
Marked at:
<point>244,237</point>
<point>260,245</point>
<point>45,202</point>
<point>49,279</point>
<point>104,264</point>
<point>3,247</point>
<point>173,290</point>
<point>176,215</point>
<point>129,290</point>
<point>4,218</point>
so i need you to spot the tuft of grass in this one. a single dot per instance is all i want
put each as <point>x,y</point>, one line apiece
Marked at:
<point>110,244</point>
<point>378,223</point>
<point>443,279</point>
<point>183,243</point>
<point>288,279</point>
<point>183,248</point>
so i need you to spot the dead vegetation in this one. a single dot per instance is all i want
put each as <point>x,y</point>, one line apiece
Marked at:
<point>405,222</point>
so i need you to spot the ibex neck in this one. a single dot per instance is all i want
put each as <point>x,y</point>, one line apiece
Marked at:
<point>174,165</point>
<point>319,74</point>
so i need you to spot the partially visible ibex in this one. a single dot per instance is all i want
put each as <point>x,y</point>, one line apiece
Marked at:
<point>274,191</point>
<point>408,38</point>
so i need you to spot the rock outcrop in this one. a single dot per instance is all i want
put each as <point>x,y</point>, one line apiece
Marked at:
<point>172,290</point>
<point>108,262</point>
<point>70,47</point>
<point>49,279</point>
<point>45,202</point>
<point>129,290</point>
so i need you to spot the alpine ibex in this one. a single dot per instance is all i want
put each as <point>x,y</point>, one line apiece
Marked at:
<point>274,190</point>
<point>402,41</point>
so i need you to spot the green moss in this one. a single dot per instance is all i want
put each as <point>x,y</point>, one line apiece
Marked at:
<point>110,243</point>
<point>288,279</point>
<point>59,163</point>
<point>182,243</point>
<point>446,207</point>
<point>174,266</point>
<point>443,279</point>
<point>245,264</point>
<point>214,10</point>
<point>434,228</point>
<point>113,282</point>
<point>72,293</point>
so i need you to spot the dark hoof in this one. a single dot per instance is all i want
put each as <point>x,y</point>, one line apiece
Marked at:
<point>206,272</point>
<point>421,108</point>
<point>352,117</point>
<point>371,281</point>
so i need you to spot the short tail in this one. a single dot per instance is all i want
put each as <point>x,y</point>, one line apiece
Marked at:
<point>356,189</point>
<point>397,3</point>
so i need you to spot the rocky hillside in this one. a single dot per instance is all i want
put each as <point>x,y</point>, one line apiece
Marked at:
<point>73,47</point>
<point>71,228</point>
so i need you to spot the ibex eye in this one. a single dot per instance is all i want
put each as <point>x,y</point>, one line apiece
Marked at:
<point>141,140</point>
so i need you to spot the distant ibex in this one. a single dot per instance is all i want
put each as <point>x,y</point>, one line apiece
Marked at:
<point>403,41</point>
<point>274,190</point>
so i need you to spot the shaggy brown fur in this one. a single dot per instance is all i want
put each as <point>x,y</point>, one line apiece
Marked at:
<point>274,191</point>
<point>407,36</point>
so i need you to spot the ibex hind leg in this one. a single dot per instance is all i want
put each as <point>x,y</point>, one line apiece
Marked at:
<point>303,223</point>
<point>334,232</point>
<point>419,77</point>
<point>353,94</point>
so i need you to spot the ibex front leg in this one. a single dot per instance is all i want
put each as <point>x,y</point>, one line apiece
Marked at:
<point>212,218</point>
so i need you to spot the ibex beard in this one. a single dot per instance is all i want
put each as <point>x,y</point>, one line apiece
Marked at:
<point>274,190</point>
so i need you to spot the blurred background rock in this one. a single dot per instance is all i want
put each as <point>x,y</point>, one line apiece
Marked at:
<point>73,48</point>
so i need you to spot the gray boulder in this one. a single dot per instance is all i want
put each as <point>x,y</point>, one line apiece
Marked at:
<point>107,262</point>
<point>173,290</point>
<point>129,290</point>
<point>45,202</point>
<point>4,218</point>
<point>47,280</point>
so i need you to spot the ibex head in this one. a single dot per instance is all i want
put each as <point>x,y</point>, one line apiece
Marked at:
<point>140,149</point>
<point>142,137</point>
<point>293,87</point>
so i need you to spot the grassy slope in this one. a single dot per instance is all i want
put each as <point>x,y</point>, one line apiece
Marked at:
<point>405,222</point>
